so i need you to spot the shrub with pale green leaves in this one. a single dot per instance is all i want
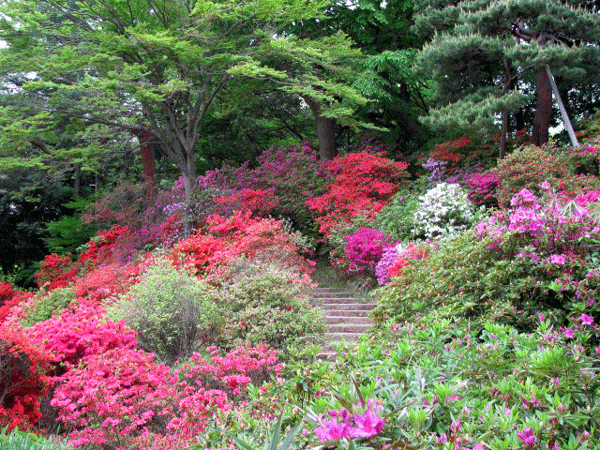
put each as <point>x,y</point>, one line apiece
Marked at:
<point>23,440</point>
<point>267,303</point>
<point>169,308</point>
<point>49,306</point>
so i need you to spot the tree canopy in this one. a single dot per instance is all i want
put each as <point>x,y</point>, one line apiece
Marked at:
<point>109,70</point>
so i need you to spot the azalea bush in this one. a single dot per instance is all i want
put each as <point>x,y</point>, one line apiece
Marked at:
<point>24,379</point>
<point>123,397</point>
<point>443,211</point>
<point>539,258</point>
<point>482,188</point>
<point>527,168</point>
<point>362,186</point>
<point>265,302</point>
<point>364,249</point>
<point>56,271</point>
<point>436,385</point>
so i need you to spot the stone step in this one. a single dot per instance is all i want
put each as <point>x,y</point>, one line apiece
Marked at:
<point>364,320</point>
<point>347,306</point>
<point>336,295</point>
<point>347,316</point>
<point>341,300</point>
<point>349,313</point>
<point>349,327</point>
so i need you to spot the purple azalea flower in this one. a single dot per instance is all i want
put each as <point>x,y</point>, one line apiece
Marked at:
<point>527,437</point>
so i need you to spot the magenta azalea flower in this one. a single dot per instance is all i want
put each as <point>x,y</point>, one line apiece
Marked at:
<point>332,430</point>
<point>368,424</point>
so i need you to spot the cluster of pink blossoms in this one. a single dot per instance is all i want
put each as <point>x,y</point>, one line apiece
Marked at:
<point>343,425</point>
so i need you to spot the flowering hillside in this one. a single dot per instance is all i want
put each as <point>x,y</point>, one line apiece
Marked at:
<point>486,336</point>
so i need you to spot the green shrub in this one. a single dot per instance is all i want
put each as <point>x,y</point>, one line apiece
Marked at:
<point>432,385</point>
<point>21,440</point>
<point>169,308</point>
<point>527,168</point>
<point>269,303</point>
<point>51,305</point>
<point>397,217</point>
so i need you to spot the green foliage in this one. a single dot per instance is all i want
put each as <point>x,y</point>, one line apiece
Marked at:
<point>527,168</point>
<point>49,306</point>
<point>449,284</point>
<point>69,233</point>
<point>434,383</point>
<point>269,303</point>
<point>113,69</point>
<point>397,217</point>
<point>22,440</point>
<point>169,308</point>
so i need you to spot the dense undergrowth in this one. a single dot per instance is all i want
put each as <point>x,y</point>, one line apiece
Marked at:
<point>487,279</point>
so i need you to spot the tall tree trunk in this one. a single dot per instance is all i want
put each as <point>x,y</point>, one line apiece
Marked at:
<point>543,113</point>
<point>503,133</point>
<point>148,164</point>
<point>77,184</point>
<point>325,131</point>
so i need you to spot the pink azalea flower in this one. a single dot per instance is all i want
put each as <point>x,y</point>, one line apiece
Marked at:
<point>585,319</point>
<point>558,259</point>
<point>368,424</point>
<point>569,333</point>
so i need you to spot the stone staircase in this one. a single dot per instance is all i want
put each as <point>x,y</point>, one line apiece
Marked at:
<point>346,314</point>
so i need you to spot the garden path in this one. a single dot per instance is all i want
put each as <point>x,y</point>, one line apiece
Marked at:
<point>346,314</point>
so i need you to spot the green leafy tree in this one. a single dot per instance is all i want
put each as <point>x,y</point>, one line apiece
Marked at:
<point>484,55</point>
<point>114,68</point>
<point>382,31</point>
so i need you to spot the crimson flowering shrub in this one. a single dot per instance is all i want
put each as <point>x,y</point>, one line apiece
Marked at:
<point>6,293</point>
<point>364,249</point>
<point>57,271</point>
<point>463,152</point>
<point>260,202</point>
<point>265,239</point>
<point>282,181</point>
<point>105,281</point>
<point>79,332</point>
<point>199,251</point>
<point>101,249</point>
<point>23,379</point>
<point>363,184</point>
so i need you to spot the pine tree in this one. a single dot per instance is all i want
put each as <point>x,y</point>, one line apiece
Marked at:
<point>484,54</point>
